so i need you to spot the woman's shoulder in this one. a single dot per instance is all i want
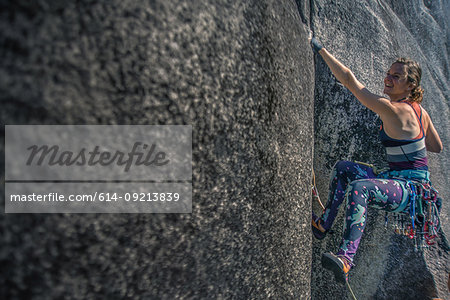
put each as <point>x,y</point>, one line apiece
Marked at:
<point>407,107</point>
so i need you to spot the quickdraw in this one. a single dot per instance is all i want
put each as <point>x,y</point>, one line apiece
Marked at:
<point>424,223</point>
<point>430,233</point>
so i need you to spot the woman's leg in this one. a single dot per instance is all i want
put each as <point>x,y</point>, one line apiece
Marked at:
<point>343,173</point>
<point>385,194</point>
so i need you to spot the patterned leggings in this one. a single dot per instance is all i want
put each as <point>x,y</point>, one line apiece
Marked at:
<point>361,188</point>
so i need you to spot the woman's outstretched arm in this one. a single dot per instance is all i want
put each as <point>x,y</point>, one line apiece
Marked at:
<point>377,104</point>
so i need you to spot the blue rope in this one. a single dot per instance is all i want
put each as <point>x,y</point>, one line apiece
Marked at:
<point>413,196</point>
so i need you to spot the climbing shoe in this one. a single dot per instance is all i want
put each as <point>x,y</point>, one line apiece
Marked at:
<point>318,231</point>
<point>338,264</point>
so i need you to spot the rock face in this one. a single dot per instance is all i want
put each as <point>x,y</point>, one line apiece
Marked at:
<point>262,108</point>
<point>241,74</point>
<point>367,37</point>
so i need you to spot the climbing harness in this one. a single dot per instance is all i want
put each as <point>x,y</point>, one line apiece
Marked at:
<point>420,221</point>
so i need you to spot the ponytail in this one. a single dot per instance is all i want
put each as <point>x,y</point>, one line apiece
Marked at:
<point>417,94</point>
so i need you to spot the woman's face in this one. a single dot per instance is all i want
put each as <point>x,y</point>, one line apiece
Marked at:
<point>396,83</point>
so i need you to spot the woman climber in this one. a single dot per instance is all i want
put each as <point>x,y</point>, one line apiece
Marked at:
<point>407,134</point>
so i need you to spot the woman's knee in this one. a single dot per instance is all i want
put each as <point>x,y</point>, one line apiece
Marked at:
<point>357,190</point>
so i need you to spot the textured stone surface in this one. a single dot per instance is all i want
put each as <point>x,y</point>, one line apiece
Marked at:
<point>367,36</point>
<point>241,73</point>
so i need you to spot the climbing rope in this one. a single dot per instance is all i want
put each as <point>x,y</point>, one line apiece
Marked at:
<point>350,289</point>
<point>314,190</point>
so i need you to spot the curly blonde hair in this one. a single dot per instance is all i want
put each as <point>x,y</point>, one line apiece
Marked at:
<point>414,76</point>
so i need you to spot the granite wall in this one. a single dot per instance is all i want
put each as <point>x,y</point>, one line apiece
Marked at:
<point>367,36</point>
<point>263,109</point>
<point>241,73</point>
